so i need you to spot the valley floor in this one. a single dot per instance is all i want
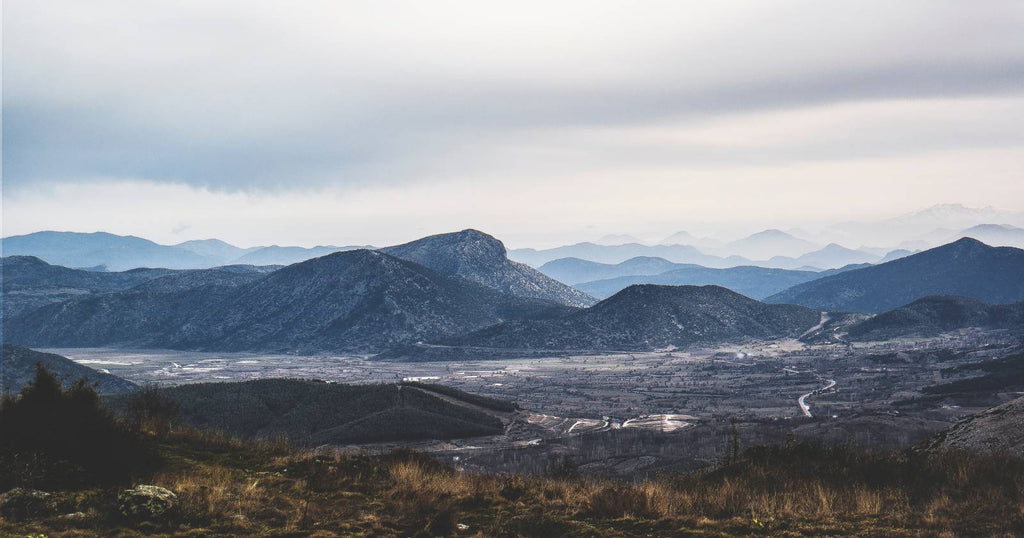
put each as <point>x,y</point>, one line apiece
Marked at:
<point>634,414</point>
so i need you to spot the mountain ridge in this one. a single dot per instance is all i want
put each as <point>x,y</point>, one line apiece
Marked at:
<point>648,317</point>
<point>966,267</point>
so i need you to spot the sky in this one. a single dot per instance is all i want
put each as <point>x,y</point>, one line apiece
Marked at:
<point>376,122</point>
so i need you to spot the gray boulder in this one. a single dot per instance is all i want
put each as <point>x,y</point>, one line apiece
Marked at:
<point>146,502</point>
<point>20,503</point>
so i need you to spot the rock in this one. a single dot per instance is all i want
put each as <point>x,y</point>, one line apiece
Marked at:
<point>20,503</point>
<point>146,502</point>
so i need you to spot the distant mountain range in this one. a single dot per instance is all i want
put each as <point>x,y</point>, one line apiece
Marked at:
<point>929,227</point>
<point>832,256</point>
<point>108,252</point>
<point>461,289</point>
<point>18,369</point>
<point>604,280</point>
<point>772,248</point>
<point>574,271</point>
<point>648,317</point>
<point>355,301</point>
<point>217,251</point>
<point>933,315</point>
<point>754,282</point>
<point>102,251</point>
<point>966,267</point>
<point>995,234</point>
<point>620,253</point>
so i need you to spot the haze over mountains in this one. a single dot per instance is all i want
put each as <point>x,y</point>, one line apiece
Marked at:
<point>462,288</point>
<point>832,247</point>
<point>109,252</point>
<point>754,282</point>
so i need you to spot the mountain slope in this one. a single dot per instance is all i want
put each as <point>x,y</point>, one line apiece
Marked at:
<point>313,412</point>
<point>113,252</point>
<point>754,282</point>
<point>933,315</point>
<point>650,317</point>
<point>29,283</point>
<point>352,301</point>
<point>157,313</point>
<point>967,267</point>
<point>18,369</point>
<point>480,258</point>
<point>999,430</point>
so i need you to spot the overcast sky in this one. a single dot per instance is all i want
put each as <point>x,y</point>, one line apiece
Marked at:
<point>348,122</point>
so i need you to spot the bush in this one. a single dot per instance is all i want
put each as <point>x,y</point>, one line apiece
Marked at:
<point>51,438</point>
<point>150,410</point>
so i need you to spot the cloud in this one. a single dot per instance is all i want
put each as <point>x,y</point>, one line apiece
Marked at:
<point>259,97</point>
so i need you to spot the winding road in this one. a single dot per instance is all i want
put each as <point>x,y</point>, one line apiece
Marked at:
<point>802,401</point>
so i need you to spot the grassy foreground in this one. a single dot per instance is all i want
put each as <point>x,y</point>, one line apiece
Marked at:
<point>65,442</point>
<point>227,488</point>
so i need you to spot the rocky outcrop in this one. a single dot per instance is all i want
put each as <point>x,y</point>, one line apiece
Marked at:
<point>480,258</point>
<point>146,503</point>
<point>19,503</point>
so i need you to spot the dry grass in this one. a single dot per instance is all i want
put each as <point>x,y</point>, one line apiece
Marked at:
<point>231,488</point>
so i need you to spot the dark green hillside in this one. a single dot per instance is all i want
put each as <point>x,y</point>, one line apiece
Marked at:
<point>315,412</point>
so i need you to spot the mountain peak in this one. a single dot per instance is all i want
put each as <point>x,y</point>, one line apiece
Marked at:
<point>479,257</point>
<point>965,243</point>
<point>772,232</point>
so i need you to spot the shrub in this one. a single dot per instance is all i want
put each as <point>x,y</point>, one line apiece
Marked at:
<point>55,438</point>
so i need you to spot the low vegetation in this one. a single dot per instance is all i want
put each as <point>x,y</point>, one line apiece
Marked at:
<point>308,412</point>
<point>228,487</point>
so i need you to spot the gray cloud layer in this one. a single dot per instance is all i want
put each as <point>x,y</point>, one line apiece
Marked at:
<point>275,95</point>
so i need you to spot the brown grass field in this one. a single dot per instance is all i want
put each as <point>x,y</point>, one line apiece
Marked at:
<point>228,487</point>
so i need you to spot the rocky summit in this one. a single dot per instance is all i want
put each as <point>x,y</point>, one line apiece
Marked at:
<point>480,258</point>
